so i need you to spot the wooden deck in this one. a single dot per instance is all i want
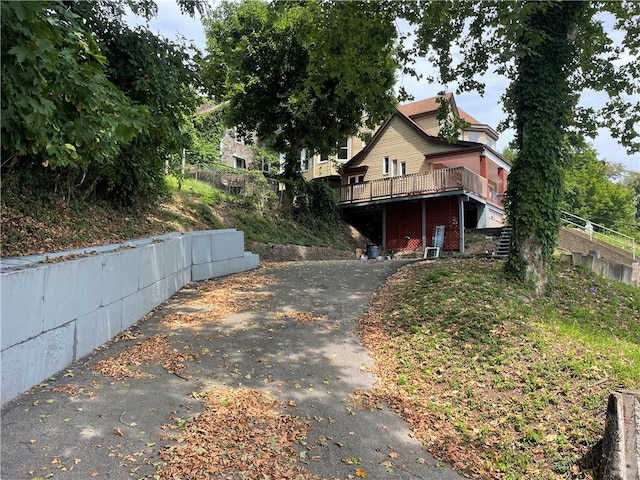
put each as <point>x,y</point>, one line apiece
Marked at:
<point>417,184</point>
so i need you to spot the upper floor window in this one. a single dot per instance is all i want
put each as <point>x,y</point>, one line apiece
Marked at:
<point>324,157</point>
<point>353,179</point>
<point>473,137</point>
<point>394,168</point>
<point>343,149</point>
<point>239,162</point>
<point>238,136</point>
<point>385,166</point>
<point>305,162</point>
<point>491,142</point>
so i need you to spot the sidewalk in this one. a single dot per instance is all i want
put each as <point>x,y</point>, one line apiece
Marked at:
<point>295,340</point>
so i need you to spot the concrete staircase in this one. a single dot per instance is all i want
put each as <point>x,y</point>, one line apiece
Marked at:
<point>502,247</point>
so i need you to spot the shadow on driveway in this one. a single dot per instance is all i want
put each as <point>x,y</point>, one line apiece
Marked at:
<point>112,428</point>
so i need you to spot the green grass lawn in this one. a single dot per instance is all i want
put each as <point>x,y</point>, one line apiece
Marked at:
<point>499,382</point>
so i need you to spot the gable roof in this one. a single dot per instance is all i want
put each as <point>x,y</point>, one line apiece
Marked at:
<point>413,125</point>
<point>428,105</point>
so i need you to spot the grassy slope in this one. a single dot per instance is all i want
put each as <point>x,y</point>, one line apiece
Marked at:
<point>499,383</point>
<point>42,225</point>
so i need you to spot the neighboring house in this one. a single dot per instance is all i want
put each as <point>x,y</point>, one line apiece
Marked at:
<point>235,150</point>
<point>407,181</point>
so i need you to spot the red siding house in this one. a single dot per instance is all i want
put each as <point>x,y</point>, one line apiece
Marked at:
<point>407,180</point>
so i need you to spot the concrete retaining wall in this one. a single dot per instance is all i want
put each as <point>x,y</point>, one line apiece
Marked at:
<point>606,268</point>
<point>57,308</point>
<point>577,241</point>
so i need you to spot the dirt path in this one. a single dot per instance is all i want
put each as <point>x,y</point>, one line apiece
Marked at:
<point>284,331</point>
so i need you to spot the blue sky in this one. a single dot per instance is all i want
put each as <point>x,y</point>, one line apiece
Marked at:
<point>172,24</point>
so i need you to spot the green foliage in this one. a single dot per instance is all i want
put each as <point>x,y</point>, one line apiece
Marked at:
<point>551,52</point>
<point>59,109</point>
<point>296,73</point>
<point>632,181</point>
<point>450,124</point>
<point>314,202</point>
<point>207,131</point>
<point>592,193</point>
<point>90,106</point>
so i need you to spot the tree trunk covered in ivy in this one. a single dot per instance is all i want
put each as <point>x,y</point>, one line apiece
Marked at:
<point>543,107</point>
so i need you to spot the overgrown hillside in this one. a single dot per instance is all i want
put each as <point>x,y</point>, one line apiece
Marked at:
<point>36,223</point>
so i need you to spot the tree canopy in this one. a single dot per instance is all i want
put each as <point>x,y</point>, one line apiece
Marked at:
<point>593,192</point>
<point>301,74</point>
<point>89,104</point>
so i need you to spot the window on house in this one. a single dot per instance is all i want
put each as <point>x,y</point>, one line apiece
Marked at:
<point>491,142</point>
<point>265,166</point>
<point>366,138</point>
<point>239,162</point>
<point>394,168</point>
<point>493,193</point>
<point>353,179</point>
<point>343,149</point>
<point>304,161</point>
<point>385,166</point>
<point>238,136</point>
<point>473,137</point>
<point>403,168</point>
<point>324,157</point>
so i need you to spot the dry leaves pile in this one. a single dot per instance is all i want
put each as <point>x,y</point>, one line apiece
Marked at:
<point>299,316</point>
<point>155,350</point>
<point>240,434</point>
<point>221,297</point>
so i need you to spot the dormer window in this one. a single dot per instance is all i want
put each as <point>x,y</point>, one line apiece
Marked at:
<point>473,137</point>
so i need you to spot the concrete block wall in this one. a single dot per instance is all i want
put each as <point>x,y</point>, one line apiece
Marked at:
<point>603,267</point>
<point>56,308</point>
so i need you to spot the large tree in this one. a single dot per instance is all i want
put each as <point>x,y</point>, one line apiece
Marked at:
<point>550,51</point>
<point>301,74</point>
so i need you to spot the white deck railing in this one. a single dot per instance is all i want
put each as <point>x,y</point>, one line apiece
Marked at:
<point>436,181</point>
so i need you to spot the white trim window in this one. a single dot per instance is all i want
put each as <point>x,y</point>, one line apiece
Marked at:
<point>403,168</point>
<point>239,162</point>
<point>394,168</point>
<point>385,165</point>
<point>323,158</point>
<point>304,160</point>
<point>343,150</point>
<point>353,179</point>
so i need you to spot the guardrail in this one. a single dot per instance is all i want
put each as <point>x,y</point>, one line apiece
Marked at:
<point>600,232</point>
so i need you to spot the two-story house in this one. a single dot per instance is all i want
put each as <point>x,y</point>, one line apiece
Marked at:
<point>407,181</point>
<point>328,167</point>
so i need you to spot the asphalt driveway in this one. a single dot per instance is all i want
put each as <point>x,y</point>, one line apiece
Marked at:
<point>296,340</point>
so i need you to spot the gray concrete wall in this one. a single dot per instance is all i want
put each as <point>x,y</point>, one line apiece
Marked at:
<point>603,267</point>
<point>56,308</point>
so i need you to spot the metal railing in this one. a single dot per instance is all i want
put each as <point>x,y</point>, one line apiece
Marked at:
<point>442,180</point>
<point>602,233</point>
